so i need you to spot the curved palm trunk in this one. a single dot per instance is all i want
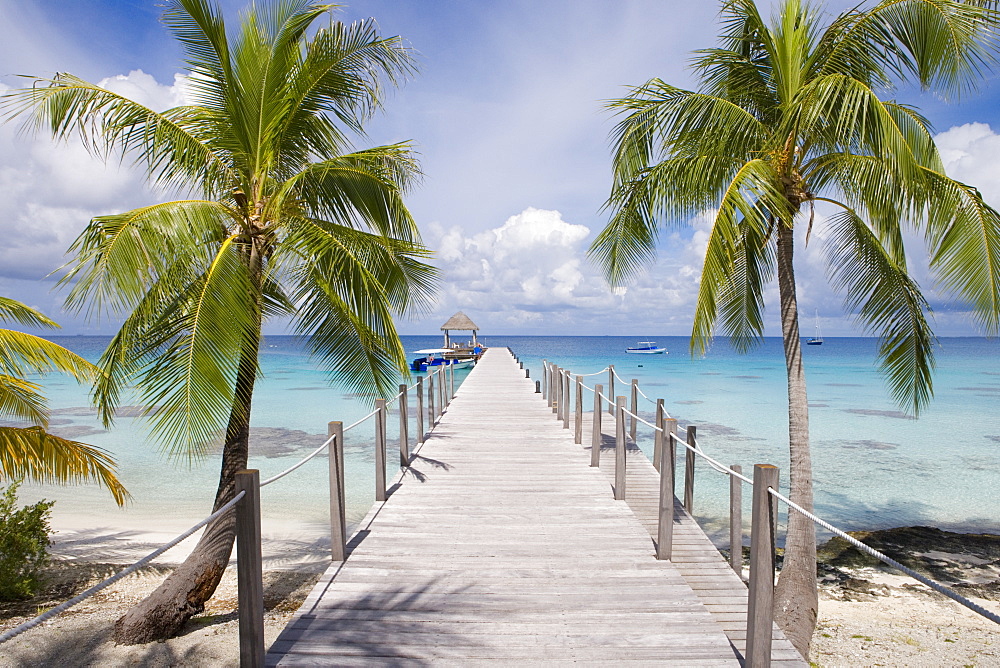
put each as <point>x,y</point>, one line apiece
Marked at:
<point>182,595</point>
<point>796,598</point>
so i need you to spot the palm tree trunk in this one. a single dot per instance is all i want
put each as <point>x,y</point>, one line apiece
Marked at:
<point>164,612</point>
<point>796,598</point>
<point>182,595</point>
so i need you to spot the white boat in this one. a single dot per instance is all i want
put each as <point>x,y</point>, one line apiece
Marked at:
<point>646,348</point>
<point>433,357</point>
<point>817,339</point>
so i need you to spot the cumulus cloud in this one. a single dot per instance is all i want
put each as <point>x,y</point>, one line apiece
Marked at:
<point>531,274</point>
<point>971,154</point>
<point>52,189</point>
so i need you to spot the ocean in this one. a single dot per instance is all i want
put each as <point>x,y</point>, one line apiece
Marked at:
<point>874,466</point>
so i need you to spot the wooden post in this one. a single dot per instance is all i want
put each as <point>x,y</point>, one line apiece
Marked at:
<point>441,390</point>
<point>380,423</point>
<point>566,400</point>
<point>665,521</point>
<point>736,520</point>
<point>595,435</point>
<point>451,387</point>
<point>619,448</point>
<point>578,424</point>
<point>760,603</point>
<point>249,570</point>
<point>431,415</point>
<point>670,450</point>
<point>420,410</point>
<point>557,394</point>
<point>689,470</point>
<point>611,388</point>
<point>338,520</point>
<point>404,426</point>
<point>545,383</point>
<point>658,435</point>
<point>634,409</point>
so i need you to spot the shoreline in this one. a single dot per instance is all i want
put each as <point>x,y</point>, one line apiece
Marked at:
<point>868,615</point>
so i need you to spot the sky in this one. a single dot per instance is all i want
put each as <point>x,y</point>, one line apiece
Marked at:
<point>507,113</point>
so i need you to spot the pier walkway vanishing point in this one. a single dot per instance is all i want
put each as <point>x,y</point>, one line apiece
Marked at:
<point>500,543</point>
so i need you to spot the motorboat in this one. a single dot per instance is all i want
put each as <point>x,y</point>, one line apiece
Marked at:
<point>435,357</point>
<point>646,348</point>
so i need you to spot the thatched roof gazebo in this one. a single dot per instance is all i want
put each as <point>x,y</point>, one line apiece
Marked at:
<point>459,322</point>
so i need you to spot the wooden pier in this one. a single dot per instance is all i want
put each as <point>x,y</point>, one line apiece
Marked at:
<point>500,544</point>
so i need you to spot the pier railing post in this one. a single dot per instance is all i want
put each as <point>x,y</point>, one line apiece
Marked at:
<point>670,450</point>
<point>404,426</point>
<point>441,390</point>
<point>619,448</point>
<point>578,422</point>
<point>760,602</point>
<point>249,570</point>
<point>611,389</point>
<point>659,434</point>
<point>595,435</point>
<point>380,423</point>
<point>557,391</point>
<point>420,410</point>
<point>736,520</point>
<point>451,385</point>
<point>338,519</point>
<point>665,521</point>
<point>545,383</point>
<point>431,414</point>
<point>566,400</point>
<point>689,470</point>
<point>634,408</point>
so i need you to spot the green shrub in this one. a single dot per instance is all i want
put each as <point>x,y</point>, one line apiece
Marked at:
<point>24,545</point>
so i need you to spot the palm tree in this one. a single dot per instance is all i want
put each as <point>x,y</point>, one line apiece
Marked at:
<point>791,112</point>
<point>288,221</point>
<point>31,452</point>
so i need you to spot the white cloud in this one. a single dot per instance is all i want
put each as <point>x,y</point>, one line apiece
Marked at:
<point>971,154</point>
<point>52,189</point>
<point>531,274</point>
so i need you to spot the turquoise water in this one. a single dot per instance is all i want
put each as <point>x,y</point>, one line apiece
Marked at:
<point>874,466</point>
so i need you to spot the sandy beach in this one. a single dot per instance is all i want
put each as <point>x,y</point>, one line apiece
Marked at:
<point>868,617</point>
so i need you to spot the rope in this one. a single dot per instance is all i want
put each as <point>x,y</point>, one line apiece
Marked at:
<point>314,452</point>
<point>32,623</point>
<point>955,596</point>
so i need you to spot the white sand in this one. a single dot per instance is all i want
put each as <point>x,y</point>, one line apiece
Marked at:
<point>898,623</point>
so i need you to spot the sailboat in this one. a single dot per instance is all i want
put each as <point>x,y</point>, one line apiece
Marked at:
<point>817,339</point>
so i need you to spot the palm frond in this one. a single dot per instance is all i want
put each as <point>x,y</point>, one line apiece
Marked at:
<point>119,256</point>
<point>22,400</point>
<point>22,354</point>
<point>12,310</point>
<point>889,304</point>
<point>44,458</point>
<point>963,237</point>
<point>754,200</point>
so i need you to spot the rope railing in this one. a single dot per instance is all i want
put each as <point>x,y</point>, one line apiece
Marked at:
<point>692,445</point>
<point>936,586</point>
<point>49,614</point>
<point>315,452</point>
<point>241,495</point>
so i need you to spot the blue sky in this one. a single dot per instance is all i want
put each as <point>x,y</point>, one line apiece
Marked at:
<point>507,115</point>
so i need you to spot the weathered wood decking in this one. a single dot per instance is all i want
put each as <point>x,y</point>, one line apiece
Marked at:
<point>502,544</point>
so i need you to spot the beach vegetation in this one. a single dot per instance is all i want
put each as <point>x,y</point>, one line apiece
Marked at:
<point>27,450</point>
<point>792,112</point>
<point>24,545</point>
<point>281,218</point>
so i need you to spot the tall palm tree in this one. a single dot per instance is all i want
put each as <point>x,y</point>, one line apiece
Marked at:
<point>791,112</point>
<point>31,452</point>
<point>288,221</point>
